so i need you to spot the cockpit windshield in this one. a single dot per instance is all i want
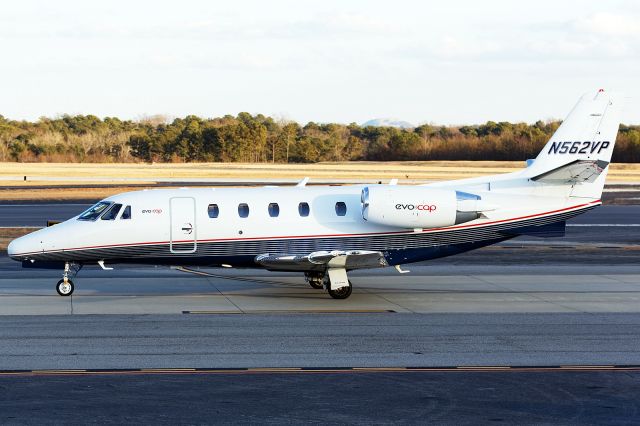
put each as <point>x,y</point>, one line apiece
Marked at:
<point>112,213</point>
<point>95,211</point>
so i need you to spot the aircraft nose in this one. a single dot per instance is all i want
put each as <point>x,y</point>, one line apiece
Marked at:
<point>12,249</point>
<point>23,245</point>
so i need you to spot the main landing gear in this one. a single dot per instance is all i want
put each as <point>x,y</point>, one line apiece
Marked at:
<point>315,279</point>
<point>334,280</point>
<point>65,285</point>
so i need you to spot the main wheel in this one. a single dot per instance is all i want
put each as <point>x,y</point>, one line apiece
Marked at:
<point>317,284</point>
<point>64,289</point>
<point>341,293</point>
<point>314,281</point>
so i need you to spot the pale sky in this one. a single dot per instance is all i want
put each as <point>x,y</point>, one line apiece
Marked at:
<point>445,61</point>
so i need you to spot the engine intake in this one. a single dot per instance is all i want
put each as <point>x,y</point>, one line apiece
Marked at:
<point>418,207</point>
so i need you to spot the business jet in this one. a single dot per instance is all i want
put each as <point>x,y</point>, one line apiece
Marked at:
<point>327,231</point>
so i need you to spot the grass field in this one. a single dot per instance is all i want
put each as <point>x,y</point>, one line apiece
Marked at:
<point>426,170</point>
<point>346,170</point>
<point>12,174</point>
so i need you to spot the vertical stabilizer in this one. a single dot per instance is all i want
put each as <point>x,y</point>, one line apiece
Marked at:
<point>588,134</point>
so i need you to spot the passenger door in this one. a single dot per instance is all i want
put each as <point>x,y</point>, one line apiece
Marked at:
<point>183,225</point>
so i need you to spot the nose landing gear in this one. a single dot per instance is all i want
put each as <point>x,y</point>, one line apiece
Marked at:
<point>64,287</point>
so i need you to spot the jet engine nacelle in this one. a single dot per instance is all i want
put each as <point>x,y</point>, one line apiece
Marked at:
<point>417,207</point>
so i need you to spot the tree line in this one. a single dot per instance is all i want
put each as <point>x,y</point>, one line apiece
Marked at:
<point>258,138</point>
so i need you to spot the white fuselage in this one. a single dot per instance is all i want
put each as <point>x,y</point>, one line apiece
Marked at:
<point>174,226</point>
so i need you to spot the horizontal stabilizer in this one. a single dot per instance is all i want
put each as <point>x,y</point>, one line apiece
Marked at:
<point>321,260</point>
<point>578,171</point>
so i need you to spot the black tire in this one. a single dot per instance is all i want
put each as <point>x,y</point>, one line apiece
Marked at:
<point>315,280</point>
<point>341,293</point>
<point>316,284</point>
<point>62,291</point>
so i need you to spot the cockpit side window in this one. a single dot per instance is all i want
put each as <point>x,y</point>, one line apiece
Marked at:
<point>126,213</point>
<point>95,211</point>
<point>112,213</point>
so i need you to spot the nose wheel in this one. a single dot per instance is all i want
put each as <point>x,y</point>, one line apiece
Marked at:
<point>65,287</point>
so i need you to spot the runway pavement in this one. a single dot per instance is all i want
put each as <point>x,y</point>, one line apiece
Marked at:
<point>327,398</point>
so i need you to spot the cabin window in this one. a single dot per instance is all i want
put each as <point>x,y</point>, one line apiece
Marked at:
<point>126,213</point>
<point>95,211</point>
<point>213,211</point>
<point>112,213</point>
<point>274,209</point>
<point>243,210</point>
<point>303,209</point>
<point>341,208</point>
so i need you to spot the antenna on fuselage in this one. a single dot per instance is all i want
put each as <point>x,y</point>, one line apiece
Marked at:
<point>302,183</point>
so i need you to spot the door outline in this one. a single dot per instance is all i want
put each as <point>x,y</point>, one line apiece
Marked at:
<point>180,240</point>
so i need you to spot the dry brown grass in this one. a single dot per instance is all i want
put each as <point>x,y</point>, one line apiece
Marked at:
<point>63,194</point>
<point>426,170</point>
<point>74,174</point>
<point>364,170</point>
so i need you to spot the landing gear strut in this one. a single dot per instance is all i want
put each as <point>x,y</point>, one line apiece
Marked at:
<point>65,285</point>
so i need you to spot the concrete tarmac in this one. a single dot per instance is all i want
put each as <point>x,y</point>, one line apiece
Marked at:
<point>504,305</point>
<point>492,280</point>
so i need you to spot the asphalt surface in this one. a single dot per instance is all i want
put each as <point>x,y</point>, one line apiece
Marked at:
<point>318,340</point>
<point>16,215</point>
<point>460,398</point>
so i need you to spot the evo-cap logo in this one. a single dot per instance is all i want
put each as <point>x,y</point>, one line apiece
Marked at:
<point>422,207</point>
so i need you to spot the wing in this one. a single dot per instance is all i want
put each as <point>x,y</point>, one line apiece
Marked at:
<point>321,260</point>
<point>574,172</point>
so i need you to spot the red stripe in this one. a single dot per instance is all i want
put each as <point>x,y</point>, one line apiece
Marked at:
<point>320,235</point>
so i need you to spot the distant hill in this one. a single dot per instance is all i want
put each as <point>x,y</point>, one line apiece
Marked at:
<point>388,122</point>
